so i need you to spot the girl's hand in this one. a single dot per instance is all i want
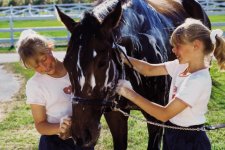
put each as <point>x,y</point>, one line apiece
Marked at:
<point>65,128</point>
<point>122,85</point>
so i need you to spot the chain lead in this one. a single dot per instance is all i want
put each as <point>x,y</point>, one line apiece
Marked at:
<point>159,124</point>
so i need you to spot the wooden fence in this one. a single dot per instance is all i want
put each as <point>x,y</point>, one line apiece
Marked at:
<point>46,12</point>
<point>37,12</point>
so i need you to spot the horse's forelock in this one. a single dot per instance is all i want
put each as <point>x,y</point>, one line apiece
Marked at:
<point>90,20</point>
<point>104,8</point>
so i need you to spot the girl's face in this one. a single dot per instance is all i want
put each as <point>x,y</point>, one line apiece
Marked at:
<point>43,63</point>
<point>183,52</point>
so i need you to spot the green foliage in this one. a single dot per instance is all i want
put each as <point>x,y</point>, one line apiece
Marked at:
<point>68,1</point>
<point>40,2</point>
<point>12,2</point>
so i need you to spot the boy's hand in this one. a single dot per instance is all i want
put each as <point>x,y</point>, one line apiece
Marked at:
<point>65,128</point>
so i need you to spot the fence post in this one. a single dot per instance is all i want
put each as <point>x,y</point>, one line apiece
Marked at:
<point>29,9</point>
<point>11,28</point>
<point>207,5</point>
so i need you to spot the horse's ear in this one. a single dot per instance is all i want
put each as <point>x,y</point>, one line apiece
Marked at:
<point>66,20</point>
<point>112,20</point>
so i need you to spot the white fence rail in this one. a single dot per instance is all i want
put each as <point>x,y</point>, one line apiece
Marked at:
<point>30,11</point>
<point>213,7</point>
<point>46,12</point>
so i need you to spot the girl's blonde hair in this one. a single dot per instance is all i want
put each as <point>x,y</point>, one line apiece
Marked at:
<point>31,44</point>
<point>193,29</point>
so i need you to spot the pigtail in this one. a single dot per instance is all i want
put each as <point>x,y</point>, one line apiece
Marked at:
<point>219,52</point>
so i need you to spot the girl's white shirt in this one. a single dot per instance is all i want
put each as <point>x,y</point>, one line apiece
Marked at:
<point>47,91</point>
<point>194,89</point>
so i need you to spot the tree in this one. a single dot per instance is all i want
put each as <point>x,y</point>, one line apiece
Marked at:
<point>12,2</point>
<point>67,1</point>
<point>38,2</point>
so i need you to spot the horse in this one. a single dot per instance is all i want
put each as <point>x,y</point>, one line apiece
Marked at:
<point>142,29</point>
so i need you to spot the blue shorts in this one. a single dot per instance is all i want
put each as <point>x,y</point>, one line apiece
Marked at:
<point>53,142</point>
<point>174,139</point>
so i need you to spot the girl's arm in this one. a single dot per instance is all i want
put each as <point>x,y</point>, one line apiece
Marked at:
<point>146,68</point>
<point>46,128</point>
<point>162,113</point>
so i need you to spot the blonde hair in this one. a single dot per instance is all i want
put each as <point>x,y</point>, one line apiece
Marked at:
<point>31,44</point>
<point>193,29</point>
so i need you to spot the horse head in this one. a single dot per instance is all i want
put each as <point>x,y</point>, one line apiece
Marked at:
<point>92,62</point>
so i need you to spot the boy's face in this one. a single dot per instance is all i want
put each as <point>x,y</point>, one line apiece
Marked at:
<point>42,63</point>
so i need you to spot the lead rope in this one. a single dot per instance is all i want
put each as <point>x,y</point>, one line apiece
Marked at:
<point>204,128</point>
<point>159,124</point>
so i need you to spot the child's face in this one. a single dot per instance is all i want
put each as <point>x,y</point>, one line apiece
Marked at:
<point>43,63</point>
<point>183,52</point>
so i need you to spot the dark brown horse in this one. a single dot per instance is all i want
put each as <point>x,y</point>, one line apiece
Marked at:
<point>140,27</point>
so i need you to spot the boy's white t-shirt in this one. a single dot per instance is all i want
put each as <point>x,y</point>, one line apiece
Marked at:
<point>194,89</point>
<point>47,91</point>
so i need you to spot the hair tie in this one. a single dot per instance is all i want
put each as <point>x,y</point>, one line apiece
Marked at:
<point>214,33</point>
<point>24,34</point>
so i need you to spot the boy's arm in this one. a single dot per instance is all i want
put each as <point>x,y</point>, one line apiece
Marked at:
<point>41,123</point>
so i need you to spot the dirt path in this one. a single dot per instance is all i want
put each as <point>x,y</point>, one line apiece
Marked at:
<point>9,87</point>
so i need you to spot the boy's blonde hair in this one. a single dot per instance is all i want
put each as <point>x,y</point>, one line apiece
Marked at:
<point>31,44</point>
<point>193,29</point>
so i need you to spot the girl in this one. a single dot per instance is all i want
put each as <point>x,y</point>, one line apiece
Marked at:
<point>190,88</point>
<point>47,91</point>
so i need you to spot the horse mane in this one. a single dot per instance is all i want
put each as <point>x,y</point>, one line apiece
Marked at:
<point>169,8</point>
<point>104,7</point>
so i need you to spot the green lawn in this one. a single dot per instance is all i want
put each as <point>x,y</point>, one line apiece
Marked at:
<point>217,18</point>
<point>17,130</point>
<point>35,23</point>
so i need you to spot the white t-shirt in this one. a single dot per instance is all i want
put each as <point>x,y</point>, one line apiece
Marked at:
<point>47,91</point>
<point>194,89</point>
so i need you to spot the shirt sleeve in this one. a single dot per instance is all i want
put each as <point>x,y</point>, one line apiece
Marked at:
<point>34,94</point>
<point>191,90</point>
<point>171,67</point>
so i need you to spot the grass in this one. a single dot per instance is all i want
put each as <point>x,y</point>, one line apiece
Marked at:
<point>17,129</point>
<point>217,18</point>
<point>30,24</point>
<point>217,108</point>
<point>34,23</point>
